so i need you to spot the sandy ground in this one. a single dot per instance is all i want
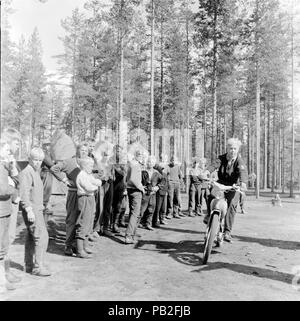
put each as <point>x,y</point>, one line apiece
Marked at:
<point>166,264</point>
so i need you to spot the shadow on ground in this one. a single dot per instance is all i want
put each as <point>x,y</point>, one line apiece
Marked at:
<point>284,245</point>
<point>167,228</point>
<point>185,252</point>
<point>56,231</point>
<point>249,270</point>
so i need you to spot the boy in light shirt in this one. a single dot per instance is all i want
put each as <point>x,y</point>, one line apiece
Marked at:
<point>31,194</point>
<point>87,184</point>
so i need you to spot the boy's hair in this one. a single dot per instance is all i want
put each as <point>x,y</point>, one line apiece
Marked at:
<point>36,151</point>
<point>234,141</point>
<point>83,162</point>
<point>78,147</point>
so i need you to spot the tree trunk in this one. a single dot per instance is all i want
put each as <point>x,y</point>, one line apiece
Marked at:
<point>232,118</point>
<point>152,82</point>
<point>204,126</point>
<point>265,147</point>
<point>269,173</point>
<point>225,131</point>
<point>293,108</point>
<point>121,79</point>
<point>248,143</point>
<point>257,109</point>
<point>162,124</point>
<point>283,152</point>
<point>273,147</point>
<point>214,84</point>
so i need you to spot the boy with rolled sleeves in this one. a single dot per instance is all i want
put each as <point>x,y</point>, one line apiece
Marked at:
<point>31,195</point>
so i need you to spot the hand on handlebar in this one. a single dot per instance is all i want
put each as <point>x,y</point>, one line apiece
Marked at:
<point>236,187</point>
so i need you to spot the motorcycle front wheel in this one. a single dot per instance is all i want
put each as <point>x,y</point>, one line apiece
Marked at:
<point>212,232</point>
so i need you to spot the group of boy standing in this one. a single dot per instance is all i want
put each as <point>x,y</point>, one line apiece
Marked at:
<point>99,192</point>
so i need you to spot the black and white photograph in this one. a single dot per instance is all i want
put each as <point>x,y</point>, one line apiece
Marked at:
<point>150,153</point>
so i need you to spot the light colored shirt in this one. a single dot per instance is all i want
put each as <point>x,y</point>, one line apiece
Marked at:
<point>134,176</point>
<point>86,183</point>
<point>174,173</point>
<point>31,189</point>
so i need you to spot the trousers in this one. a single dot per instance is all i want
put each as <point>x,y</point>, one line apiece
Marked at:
<point>135,201</point>
<point>72,215</point>
<point>86,207</point>
<point>36,241</point>
<point>173,198</point>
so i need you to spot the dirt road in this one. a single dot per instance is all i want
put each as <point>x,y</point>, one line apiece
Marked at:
<point>166,264</point>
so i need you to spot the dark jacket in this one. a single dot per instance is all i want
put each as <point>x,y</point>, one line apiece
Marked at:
<point>236,174</point>
<point>163,183</point>
<point>150,182</point>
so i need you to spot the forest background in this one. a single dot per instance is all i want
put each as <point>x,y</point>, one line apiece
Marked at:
<point>230,68</point>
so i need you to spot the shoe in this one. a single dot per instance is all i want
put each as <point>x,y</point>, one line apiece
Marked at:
<point>47,211</point>
<point>243,211</point>
<point>140,225</point>
<point>92,238</point>
<point>199,214</point>
<point>70,250</point>
<point>163,222</point>
<point>116,228</point>
<point>227,237</point>
<point>149,227</point>
<point>191,214</point>
<point>81,253</point>
<point>12,278</point>
<point>129,240</point>
<point>42,271</point>
<point>206,218</point>
<point>107,233</point>
<point>156,225</point>
<point>86,247</point>
<point>181,214</point>
<point>169,217</point>
<point>176,216</point>
<point>9,286</point>
<point>96,235</point>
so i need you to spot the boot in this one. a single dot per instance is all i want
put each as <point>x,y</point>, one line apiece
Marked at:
<point>116,228</point>
<point>69,251</point>
<point>80,250</point>
<point>10,277</point>
<point>191,214</point>
<point>40,271</point>
<point>2,277</point>
<point>86,247</point>
<point>4,283</point>
<point>122,220</point>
